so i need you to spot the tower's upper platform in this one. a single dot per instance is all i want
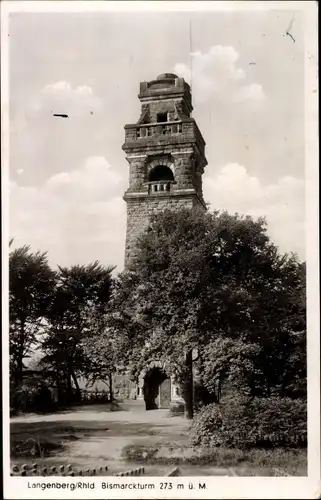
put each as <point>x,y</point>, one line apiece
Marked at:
<point>166,76</point>
<point>166,86</point>
<point>165,123</point>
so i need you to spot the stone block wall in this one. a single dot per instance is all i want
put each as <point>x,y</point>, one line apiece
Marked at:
<point>162,107</point>
<point>137,173</point>
<point>139,211</point>
<point>186,165</point>
<point>184,171</point>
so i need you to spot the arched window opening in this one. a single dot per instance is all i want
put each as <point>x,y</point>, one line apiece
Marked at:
<point>160,179</point>
<point>161,173</point>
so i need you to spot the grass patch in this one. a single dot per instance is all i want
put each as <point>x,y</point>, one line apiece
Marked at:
<point>140,453</point>
<point>33,448</point>
<point>280,461</point>
<point>43,439</point>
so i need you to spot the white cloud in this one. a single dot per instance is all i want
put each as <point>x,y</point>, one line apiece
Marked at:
<point>217,72</point>
<point>234,189</point>
<point>94,181</point>
<point>84,90</point>
<point>64,88</point>
<point>252,92</point>
<point>57,88</point>
<point>62,97</point>
<point>77,217</point>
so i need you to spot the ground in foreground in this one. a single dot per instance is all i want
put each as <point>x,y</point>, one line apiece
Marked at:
<point>94,436</point>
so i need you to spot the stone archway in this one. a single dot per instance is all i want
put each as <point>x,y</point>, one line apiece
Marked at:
<point>153,389</point>
<point>162,161</point>
<point>156,386</point>
<point>160,173</point>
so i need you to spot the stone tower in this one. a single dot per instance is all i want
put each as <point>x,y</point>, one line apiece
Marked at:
<point>165,152</point>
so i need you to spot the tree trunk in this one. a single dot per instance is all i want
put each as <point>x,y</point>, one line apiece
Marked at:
<point>69,384</point>
<point>219,389</point>
<point>19,373</point>
<point>268,389</point>
<point>111,395</point>
<point>188,386</point>
<point>60,391</point>
<point>76,383</point>
<point>20,368</point>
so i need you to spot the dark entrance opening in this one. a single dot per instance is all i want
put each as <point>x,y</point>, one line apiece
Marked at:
<point>162,117</point>
<point>160,173</point>
<point>157,389</point>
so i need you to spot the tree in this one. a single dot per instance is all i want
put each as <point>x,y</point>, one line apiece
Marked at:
<point>100,352</point>
<point>80,299</point>
<point>31,285</point>
<point>230,360</point>
<point>201,278</point>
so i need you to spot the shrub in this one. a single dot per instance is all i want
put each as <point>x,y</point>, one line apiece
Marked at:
<point>177,408</point>
<point>243,422</point>
<point>202,396</point>
<point>280,420</point>
<point>22,397</point>
<point>139,453</point>
<point>31,397</point>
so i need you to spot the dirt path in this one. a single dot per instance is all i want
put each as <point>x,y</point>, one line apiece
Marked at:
<point>129,411</point>
<point>102,433</point>
<point>94,436</point>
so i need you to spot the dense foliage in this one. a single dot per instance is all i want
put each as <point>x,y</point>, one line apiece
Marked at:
<point>56,313</point>
<point>207,294</point>
<point>242,422</point>
<point>213,284</point>
<point>31,288</point>
<point>79,301</point>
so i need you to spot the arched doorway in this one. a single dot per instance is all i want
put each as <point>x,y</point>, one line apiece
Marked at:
<point>156,389</point>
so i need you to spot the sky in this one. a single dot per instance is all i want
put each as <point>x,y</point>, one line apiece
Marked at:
<point>68,176</point>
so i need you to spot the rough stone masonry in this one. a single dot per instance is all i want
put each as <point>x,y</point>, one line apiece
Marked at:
<point>166,155</point>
